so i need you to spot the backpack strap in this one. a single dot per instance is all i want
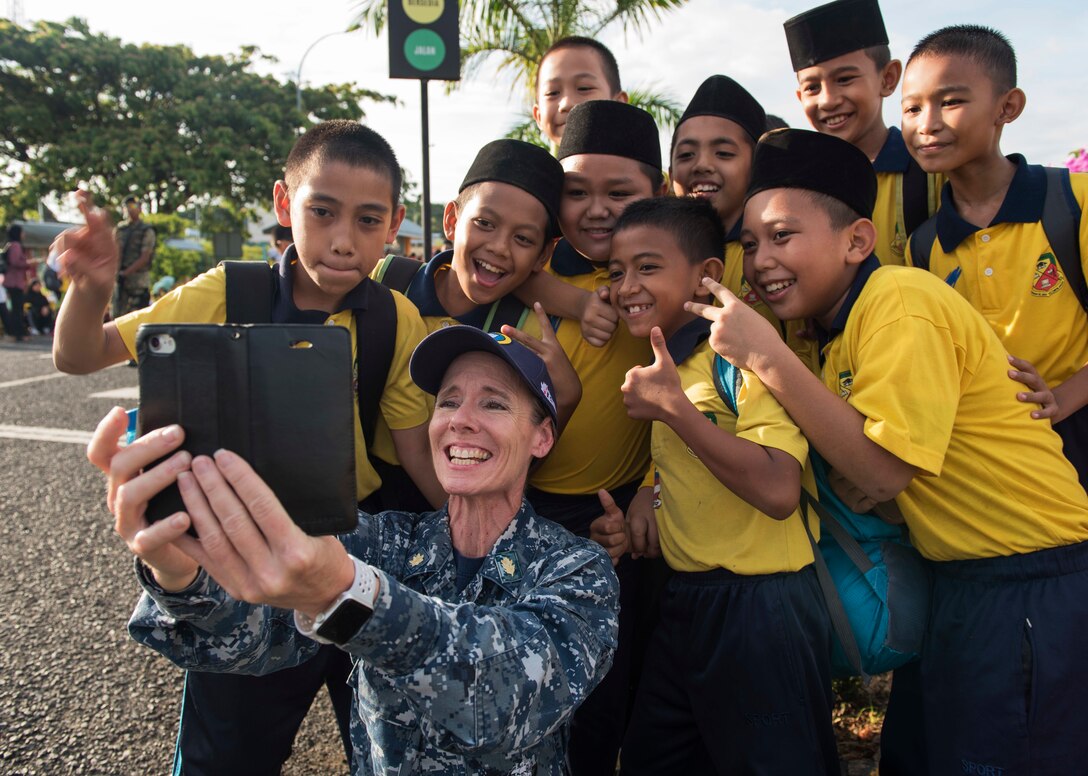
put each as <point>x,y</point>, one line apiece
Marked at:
<point>727,381</point>
<point>1061,223</point>
<point>375,339</point>
<point>921,243</point>
<point>916,197</point>
<point>835,609</point>
<point>397,272</point>
<point>249,291</point>
<point>509,310</point>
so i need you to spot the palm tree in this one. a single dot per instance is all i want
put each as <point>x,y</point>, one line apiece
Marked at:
<point>516,33</point>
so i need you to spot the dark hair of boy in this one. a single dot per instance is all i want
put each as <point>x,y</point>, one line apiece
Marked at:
<point>614,129</point>
<point>984,46</point>
<point>608,59</point>
<point>344,141</point>
<point>776,122</point>
<point>15,233</point>
<point>517,163</point>
<point>130,200</point>
<point>693,223</point>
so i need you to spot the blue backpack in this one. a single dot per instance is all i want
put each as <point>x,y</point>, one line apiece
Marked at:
<point>875,583</point>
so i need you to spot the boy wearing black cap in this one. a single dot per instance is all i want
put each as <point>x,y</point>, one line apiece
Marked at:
<point>711,159</point>
<point>340,196</point>
<point>924,416</point>
<point>503,226</point>
<point>744,602</point>
<point>844,71</point>
<point>993,239</point>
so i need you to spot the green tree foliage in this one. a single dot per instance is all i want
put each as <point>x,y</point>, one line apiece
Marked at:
<point>514,34</point>
<point>78,106</point>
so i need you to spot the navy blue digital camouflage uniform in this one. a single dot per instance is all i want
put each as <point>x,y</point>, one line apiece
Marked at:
<point>480,681</point>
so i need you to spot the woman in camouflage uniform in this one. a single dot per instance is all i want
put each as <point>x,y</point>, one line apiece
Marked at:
<point>478,628</point>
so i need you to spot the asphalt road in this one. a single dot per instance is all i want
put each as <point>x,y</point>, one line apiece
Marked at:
<point>77,696</point>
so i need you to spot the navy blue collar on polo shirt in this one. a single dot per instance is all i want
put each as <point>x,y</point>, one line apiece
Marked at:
<point>1023,204</point>
<point>422,293</point>
<point>865,269</point>
<point>688,337</point>
<point>568,262</point>
<point>283,301</point>
<point>734,233</point>
<point>893,155</point>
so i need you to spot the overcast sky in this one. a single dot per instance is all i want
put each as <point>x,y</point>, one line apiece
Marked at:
<point>742,40</point>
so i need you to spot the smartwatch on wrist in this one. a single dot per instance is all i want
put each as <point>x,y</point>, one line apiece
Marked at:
<point>348,613</point>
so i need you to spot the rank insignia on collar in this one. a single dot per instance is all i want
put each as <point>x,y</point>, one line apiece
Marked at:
<point>415,560</point>
<point>507,564</point>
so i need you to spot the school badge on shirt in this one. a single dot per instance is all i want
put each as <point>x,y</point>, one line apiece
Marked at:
<point>748,294</point>
<point>1048,276</point>
<point>846,384</point>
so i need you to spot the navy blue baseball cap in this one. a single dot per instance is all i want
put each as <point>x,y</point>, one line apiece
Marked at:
<point>434,354</point>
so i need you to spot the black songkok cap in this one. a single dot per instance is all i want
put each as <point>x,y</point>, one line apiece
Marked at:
<point>721,96</point>
<point>524,165</point>
<point>834,29</point>
<point>800,159</point>
<point>612,128</point>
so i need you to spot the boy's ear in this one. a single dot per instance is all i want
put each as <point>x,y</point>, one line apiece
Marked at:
<point>536,116</point>
<point>394,225</point>
<point>621,96</point>
<point>1012,105</point>
<point>449,220</point>
<point>862,241</point>
<point>711,268</point>
<point>889,77</point>
<point>281,203</point>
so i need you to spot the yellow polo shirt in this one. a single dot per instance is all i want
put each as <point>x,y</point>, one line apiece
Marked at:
<point>703,525</point>
<point>1009,273</point>
<point>891,164</point>
<point>600,447</point>
<point>403,405</point>
<point>931,379</point>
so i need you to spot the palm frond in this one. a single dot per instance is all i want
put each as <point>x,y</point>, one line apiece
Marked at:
<point>370,15</point>
<point>528,132</point>
<point>665,110</point>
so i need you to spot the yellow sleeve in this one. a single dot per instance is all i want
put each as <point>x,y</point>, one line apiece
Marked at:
<point>907,385</point>
<point>202,300</point>
<point>761,419</point>
<point>403,404</point>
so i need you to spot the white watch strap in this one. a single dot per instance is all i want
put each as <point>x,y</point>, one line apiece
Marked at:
<point>364,589</point>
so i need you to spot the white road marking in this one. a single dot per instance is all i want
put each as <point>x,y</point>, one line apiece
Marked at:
<point>39,434</point>
<point>132,392</point>
<point>27,380</point>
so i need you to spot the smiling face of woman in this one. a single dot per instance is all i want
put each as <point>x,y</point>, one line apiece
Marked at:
<point>486,428</point>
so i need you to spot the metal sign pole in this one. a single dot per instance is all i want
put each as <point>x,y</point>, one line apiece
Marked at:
<point>425,214</point>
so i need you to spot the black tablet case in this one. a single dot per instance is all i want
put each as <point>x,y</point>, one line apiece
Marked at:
<point>278,395</point>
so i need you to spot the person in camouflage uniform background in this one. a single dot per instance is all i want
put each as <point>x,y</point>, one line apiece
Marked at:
<point>472,661</point>
<point>136,243</point>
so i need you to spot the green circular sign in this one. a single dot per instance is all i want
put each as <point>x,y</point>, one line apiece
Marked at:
<point>424,50</point>
<point>423,11</point>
